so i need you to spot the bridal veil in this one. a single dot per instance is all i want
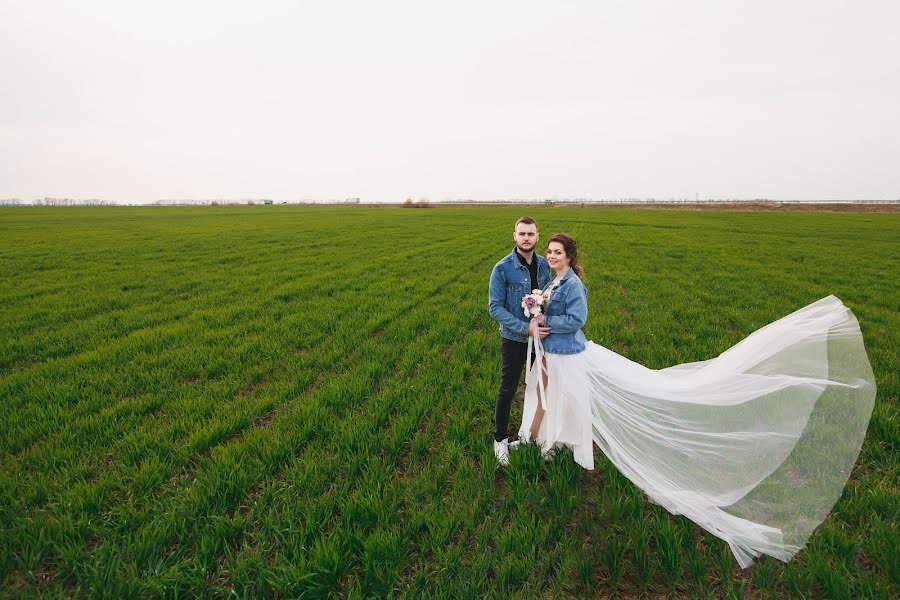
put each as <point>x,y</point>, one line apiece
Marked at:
<point>755,445</point>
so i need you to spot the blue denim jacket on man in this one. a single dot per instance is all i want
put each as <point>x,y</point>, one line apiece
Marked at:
<point>565,316</point>
<point>510,281</point>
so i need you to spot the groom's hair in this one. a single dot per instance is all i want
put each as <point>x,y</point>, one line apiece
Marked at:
<point>527,220</point>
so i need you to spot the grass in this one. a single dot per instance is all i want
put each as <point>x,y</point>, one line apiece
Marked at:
<point>297,401</point>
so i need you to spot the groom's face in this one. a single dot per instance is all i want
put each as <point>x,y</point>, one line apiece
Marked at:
<point>526,236</point>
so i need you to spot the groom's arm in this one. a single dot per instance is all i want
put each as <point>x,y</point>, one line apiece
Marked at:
<point>497,304</point>
<point>576,313</point>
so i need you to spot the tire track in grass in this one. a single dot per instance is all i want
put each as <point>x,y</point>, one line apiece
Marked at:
<point>382,324</point>
<point>44,411</point>
<point>375,333</point>
<point>87,409</point>
<point>433,517</point>
<point>385,262</point>
<point>425,315</point>
<point>328,277</point>
<point>30,351</point>
<point>22,359</point>
<point>113,478</point>
<point>424,525</point>
<point>188,260</point>
<point>384,449</point>
<point>417,304</point>
<point>414,493</point>
<point>211,254</point>
<point>357,467</point>
<point>186,307</point>
<point>384,369</point>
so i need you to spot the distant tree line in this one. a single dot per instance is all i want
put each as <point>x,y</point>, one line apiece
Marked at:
<point>48,201</point>
<point>420,203</point>
<point>426,203</point>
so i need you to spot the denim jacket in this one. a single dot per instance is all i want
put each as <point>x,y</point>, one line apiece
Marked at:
<point>565,315</point>
<point>510,281</point>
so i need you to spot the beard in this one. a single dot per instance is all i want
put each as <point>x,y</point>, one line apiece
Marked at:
<point>525,250</point>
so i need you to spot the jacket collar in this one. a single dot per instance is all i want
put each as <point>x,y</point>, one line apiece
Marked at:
<point>567,276</point>
<point>515,259</point>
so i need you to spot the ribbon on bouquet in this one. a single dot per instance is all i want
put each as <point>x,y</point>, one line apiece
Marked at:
<point>533,376</point>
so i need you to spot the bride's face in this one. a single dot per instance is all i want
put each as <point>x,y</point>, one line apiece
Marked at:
<point>556,256</point>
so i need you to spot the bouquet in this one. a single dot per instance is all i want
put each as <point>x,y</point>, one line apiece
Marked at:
<point>533,303</point>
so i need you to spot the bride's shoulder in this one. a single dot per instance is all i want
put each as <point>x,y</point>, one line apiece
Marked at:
<point>574,278</point>
<point>578,282</point>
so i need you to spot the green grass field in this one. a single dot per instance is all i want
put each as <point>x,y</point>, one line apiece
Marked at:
<point>298,401</point>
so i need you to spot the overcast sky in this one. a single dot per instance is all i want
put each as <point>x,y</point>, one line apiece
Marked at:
<point>131,101</point>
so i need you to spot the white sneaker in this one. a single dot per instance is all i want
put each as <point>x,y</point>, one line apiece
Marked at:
<point>514,444</point>
<point>501,451</point>
<point>547,451</point>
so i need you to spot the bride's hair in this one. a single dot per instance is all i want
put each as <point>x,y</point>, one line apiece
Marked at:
<point>571,247</point>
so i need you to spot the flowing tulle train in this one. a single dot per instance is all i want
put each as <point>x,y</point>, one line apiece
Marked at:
<point>755,446</point>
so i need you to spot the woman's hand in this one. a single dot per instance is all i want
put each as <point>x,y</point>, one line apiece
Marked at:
<point>536,329</point>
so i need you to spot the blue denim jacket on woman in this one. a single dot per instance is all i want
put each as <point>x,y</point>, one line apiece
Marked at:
<point>565,316</point>
<point>510,281</point>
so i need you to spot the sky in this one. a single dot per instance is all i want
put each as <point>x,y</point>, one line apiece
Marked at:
<point>135,102</point>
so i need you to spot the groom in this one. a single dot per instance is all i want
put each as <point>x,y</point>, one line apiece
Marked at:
<point>513,277</point>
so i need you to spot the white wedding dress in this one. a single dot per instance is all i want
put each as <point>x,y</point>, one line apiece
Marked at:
<point>755,445</point>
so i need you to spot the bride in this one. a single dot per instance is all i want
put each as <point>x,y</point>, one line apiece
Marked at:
<point>755,445</point>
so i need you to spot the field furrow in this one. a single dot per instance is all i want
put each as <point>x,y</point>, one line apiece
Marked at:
<point>298,402</point>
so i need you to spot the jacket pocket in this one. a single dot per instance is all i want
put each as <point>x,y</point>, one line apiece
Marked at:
<point>557,302</point>
<point>514,293</point>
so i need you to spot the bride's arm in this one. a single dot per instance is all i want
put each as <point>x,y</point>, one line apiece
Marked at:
<point>576,313</point>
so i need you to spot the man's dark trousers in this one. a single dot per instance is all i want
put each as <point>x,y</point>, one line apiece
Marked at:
<point>512,356</point>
